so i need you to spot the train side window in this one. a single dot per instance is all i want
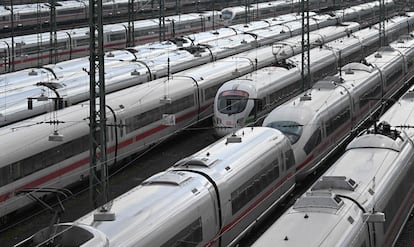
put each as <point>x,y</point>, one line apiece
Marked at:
<point>210,92</point>
<point>394,77</point>
<point>117,36</point>
<point>255,185</point>
<point>289,159</point>
<point>190,236</point>
<point>5,175</point>
<point>313,141</point>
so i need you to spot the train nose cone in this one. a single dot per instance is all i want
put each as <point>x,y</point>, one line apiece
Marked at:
<point>221,131</point>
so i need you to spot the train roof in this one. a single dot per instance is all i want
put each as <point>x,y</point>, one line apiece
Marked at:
<point>401,114</point>
<point>321,217</point>
<point>235,151</point>
<point>307,106</point>
<point>263,80</point>
<point>162,201</point>
<point>286,18</point>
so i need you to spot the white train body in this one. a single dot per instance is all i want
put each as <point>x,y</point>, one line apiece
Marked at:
<point>248,99</point>
<point>127,67</point>
<point>32,15</point>
<point>75,43</point>
<point>321,118</point>
<point>243,14</point>
<point>210,198</point>
<point>365,197</point>
<point>185,98</point>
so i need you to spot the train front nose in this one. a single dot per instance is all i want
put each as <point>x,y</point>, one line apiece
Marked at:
<point>223,128</point>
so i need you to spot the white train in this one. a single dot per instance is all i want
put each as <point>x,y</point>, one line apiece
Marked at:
<point>240,14</point>
<point>215,196</point>
<point>210,198</point>
<point>320,119</point>
<point>35,50</point>
<point>69,79</point>
<point>146,114</point>
<point>366,196</point>
<point>248,99</point>
<point>31,15</point>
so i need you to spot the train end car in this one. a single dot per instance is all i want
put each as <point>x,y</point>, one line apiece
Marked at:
<point>210,198</point>
<point>364,198</point>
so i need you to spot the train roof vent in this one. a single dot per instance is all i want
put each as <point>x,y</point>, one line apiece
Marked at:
<point>372,140</point>
<point>169,178</point>
<point>306,97</point>
<point>197,162</point>
<point>63,235</point>
<point>357,67</point>
<point>335,182</point>
<point>318,199</point>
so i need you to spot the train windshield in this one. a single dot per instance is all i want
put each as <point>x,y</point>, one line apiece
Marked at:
<point>227,14</point>
<point>291,129</point>
<point>232,101</point>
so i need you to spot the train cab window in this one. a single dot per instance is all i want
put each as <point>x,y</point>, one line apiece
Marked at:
<point>190,236</point>
<point>292,130</point>
<point>232,101</point>
<point>227,15</point>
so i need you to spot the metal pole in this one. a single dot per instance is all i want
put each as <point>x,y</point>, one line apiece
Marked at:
<point>162,21</point>
<point>305,45</point>
<point>97,126</point>
<point>53,35</point>
<point>12,36</point>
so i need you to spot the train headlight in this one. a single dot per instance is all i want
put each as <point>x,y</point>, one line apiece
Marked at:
<point>218,120</point>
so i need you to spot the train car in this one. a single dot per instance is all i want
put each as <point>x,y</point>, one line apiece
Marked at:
<point>320,119</point>
<point>74,43</point>
<point>35,14</point>
<point>146,114</point>
<point>248,99</point>
<point>144,67</point>
<point>35,50</point>
<point>244,14</point>
<point>202,199</point>
<point>366,196</point>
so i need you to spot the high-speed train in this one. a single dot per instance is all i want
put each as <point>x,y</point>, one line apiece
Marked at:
<point>210,198</point>
<point>320,119</point>
<point>365,197</point>
<point>240,14</point>
<point>248,99</point>
<point>145,114</point>
<point>70,79</point>
<point>244,180</point>
<point>29,15</point>
<point>35,50</point>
